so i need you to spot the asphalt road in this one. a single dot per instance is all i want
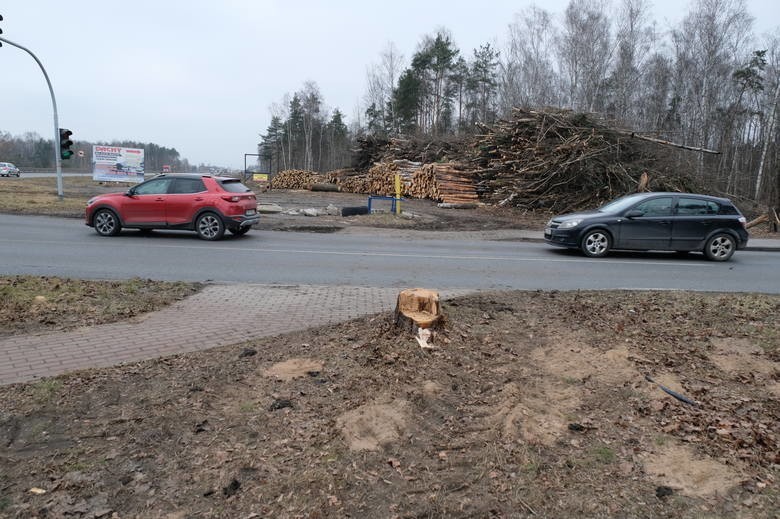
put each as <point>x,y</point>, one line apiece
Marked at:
<point>66,247</point>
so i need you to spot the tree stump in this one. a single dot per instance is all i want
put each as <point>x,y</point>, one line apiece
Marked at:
<point>416,309</point>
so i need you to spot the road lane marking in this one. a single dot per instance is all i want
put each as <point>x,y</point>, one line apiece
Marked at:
<point>579,261</point>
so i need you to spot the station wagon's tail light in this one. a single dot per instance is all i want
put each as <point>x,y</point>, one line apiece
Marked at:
<point>233,198</point>
<point>743,221</point>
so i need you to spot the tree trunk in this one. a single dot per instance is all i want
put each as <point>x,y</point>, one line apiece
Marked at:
<point>417,308</point>
<point>767,139</point>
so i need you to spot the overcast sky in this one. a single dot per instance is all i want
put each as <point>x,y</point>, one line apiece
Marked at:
<point>200,76</point>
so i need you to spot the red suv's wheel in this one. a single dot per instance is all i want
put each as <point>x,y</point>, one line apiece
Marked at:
<point>106,222</point>
<point>209,226</point>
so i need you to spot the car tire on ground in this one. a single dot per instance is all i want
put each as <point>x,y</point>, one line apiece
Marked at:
<point>354,211</point>
<point>596,243</point>
<point>209,227</point>
<point>106,222</point>
<point>720,247</point>
<point>240,231</point>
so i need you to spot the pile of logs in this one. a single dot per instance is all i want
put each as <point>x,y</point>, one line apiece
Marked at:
<point>563,161</point>
<point>295,179</point>
<point>450,183</point>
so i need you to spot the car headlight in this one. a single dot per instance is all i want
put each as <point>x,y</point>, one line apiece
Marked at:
<point>568,224</point>
<point>91,201</point>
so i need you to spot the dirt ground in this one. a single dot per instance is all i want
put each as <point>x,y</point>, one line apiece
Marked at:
<point>416,214</point>
<point>532,404</point>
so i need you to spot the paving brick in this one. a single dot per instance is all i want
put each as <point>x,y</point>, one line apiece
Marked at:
<point>218,315</point>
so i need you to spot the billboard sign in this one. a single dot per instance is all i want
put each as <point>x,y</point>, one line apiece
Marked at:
<point>116,164</point>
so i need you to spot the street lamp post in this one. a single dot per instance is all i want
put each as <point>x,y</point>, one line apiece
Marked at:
<point>57,158</point>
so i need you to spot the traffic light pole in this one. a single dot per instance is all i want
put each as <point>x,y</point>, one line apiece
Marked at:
<point>57,158</point>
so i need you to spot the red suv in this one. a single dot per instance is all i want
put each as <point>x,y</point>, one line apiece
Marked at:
<point>202,203</point>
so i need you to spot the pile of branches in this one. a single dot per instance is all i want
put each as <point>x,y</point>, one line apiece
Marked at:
<point>295,179</point>
<point>563,161</point>
<point>372,149</point>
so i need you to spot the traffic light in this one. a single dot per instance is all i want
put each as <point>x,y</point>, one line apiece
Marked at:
<point>65,143</point>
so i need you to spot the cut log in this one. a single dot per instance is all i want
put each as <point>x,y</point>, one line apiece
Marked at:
<point>761,219</point>
<point>417,308</point>
<point>323,186</point>
<point>668,143</point>
<point>644,180</point>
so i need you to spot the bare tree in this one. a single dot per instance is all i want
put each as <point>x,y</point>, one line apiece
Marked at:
<point>279,110</point>
<point>381,81</point>
<point>634,40</point>
<point>708,46</point>
<point>311,103</point>
<point>770,135</point>
<point>528,77</point>
<point>584,52</point>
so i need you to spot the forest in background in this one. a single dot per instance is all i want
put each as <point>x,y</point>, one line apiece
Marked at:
<point>31,151</point>
<point>707,83</point>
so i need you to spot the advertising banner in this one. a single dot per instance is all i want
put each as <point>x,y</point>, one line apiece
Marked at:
<point>115,164</point>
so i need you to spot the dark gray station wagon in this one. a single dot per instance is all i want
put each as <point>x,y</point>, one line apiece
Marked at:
<point>682,222</point>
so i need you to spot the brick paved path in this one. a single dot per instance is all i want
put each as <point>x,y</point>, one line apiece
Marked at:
<point>219,315</point>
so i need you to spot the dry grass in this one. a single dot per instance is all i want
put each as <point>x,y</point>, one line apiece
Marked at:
<point>31,304</point>
<point>39,195</point>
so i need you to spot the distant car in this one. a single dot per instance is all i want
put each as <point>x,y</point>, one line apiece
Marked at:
<point>682,222</point>
<point>205,204</point>
<point>9,170</point>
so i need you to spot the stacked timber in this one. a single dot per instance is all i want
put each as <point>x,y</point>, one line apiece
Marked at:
<point>450,183</point>
<point>382,176</point>
<point>295,179</point>
<point>355,184</point>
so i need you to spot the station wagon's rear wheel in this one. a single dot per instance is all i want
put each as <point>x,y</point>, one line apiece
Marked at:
<point>106,222</point>
<point>209,226</point>
<point>596,243</point>
<point>720,247</point>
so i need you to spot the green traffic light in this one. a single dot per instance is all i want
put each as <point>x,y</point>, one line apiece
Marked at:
<point>65,143</point>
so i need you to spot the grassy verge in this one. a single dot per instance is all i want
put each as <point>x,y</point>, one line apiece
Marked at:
<point>39,195</point>
<point>31,304</point>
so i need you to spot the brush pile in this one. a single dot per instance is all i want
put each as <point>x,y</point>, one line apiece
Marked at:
<point>373,149</point>
<point>562,161</point>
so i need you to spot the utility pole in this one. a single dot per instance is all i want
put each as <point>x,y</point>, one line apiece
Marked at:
<point>57,158</point>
